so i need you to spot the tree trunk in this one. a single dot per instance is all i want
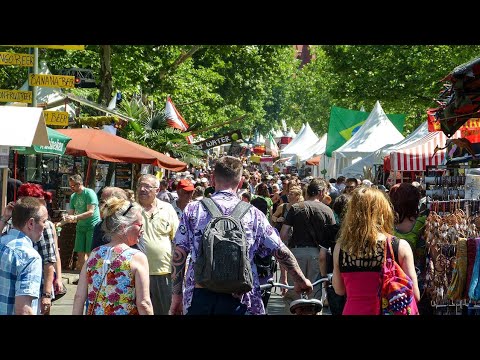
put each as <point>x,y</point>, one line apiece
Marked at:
<point>111,169</point>
<point>106,82</point>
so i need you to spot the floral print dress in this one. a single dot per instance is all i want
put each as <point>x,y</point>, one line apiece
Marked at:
<point>111,282</point>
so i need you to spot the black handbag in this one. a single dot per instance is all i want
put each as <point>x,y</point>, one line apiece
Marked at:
<point>336,303</point>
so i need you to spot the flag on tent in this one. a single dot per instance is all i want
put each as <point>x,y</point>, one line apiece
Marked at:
<point>344,123</point>
<point>173,117</point>
<point>271,146</point>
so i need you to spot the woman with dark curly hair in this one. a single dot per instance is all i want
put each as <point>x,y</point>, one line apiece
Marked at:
<point>409,225</point>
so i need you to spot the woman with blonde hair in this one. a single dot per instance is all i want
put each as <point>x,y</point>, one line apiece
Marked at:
<point>294,195</point>
<point>359,252</point>
<point>114,280</point>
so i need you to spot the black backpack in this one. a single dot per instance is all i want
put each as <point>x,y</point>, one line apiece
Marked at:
<point>260,203</point>
<point>222,263</point>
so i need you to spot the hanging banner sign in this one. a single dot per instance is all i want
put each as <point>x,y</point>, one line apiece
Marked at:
<point>57,81</point>
<point>218,140</point>
<point>59,118</point>
<point>7,58</point>
<point>434,125</point>
<point>60,47</point>
<point>16,96</point>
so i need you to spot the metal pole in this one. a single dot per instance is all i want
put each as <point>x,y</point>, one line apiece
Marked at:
<point>33,89</point>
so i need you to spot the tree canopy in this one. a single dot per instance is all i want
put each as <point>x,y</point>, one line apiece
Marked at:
<point>211,84</point>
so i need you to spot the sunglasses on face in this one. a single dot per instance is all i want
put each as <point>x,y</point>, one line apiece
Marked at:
<point>147,187</point>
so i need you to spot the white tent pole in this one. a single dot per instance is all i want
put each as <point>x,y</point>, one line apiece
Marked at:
<point>4,188</point>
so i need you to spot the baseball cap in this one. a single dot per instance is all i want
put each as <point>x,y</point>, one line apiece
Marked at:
<point>204,180</point>
<point>185,184</point>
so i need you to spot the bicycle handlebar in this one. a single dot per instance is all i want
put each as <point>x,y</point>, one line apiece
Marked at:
<point>272,284</point>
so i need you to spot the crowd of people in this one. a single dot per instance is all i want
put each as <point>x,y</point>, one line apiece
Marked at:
<point>138,251</point>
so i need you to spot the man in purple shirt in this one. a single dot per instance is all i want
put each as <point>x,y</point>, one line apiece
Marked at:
<point>261,237</point>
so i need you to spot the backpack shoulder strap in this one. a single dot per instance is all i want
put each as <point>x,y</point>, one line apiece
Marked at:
<point>212,207</point>
<point>240,210</point>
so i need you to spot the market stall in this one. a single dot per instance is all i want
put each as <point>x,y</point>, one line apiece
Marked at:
<point>20,126</point>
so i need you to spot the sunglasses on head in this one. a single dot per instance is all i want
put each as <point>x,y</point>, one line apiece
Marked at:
<point>128,209</point>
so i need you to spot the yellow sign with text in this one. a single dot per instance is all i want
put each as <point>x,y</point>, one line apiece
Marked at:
<point>7,58</point>
<point>57,81</point>
<point>16,96</point>
<point>59,118</point>
<point>60,47</point>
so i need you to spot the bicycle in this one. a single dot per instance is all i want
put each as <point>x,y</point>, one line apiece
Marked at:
<point>304,305</point>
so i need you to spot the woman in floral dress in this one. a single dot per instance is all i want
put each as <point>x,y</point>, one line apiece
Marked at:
<point>114,280</point>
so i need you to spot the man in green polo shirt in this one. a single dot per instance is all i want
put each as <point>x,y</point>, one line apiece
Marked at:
<point>83,211</point>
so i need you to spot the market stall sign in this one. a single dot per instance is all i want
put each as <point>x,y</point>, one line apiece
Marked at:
<point>57,144</point>
<point>7,58</point>
<point>61,47</point>
<point>219,140</point>
<point>59,118</point>
<point>435,125</point>
<point>57,81</point>
<point>470,129</point>
<point>15,96</point>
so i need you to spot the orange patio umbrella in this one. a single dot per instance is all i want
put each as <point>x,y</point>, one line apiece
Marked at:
<point>314,160</point>
<point>100,145</point>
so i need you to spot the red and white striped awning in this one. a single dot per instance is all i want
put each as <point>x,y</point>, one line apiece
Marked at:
<point>419,155</point>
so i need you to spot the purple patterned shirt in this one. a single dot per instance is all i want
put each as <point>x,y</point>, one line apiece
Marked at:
<point>261,237</point>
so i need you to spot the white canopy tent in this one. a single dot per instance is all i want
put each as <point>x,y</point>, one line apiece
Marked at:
<point>258,139</point>
<point>20,126</point>
<point>291,133</point>
<point>376,132</point>
<point>317,148</point>
<point>314,153</point>
<point>300,143</point>
<point>376,158</point>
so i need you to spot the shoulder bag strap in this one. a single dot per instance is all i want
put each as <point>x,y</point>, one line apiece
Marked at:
<point>388,250</point>
<point>103,279</point>
<point>212,207</point>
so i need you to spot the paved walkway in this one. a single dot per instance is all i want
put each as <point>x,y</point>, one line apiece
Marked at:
<point>63,306</point>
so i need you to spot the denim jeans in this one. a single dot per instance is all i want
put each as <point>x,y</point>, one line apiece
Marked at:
<point>206,302</point>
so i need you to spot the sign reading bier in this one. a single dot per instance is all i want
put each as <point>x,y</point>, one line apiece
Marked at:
<point>218,140</point>
<point>57,81</point>
<point>59,118</point>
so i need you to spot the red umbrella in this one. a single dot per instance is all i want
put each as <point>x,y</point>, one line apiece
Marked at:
<point>100,145</point>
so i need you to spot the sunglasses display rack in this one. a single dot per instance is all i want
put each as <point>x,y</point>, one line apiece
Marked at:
<point>443,183</point>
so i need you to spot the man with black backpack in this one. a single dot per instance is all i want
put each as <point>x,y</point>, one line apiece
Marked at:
<point>222,234</point>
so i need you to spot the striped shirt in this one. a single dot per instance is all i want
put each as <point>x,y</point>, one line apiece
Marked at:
<point>20,271</point>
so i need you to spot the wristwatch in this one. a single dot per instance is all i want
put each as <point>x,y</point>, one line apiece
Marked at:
<point>46,294</point>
